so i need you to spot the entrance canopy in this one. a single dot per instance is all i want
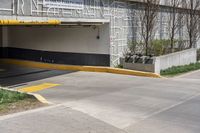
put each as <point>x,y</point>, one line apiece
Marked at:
<point>53,21</point>
<point>19,22</point>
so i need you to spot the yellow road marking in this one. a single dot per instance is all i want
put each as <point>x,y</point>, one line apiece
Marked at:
<point>38,87</point>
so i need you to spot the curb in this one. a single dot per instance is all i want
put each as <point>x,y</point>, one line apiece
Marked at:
<point>40,98</point>
<point>79,68</point>
<point>36,96</point>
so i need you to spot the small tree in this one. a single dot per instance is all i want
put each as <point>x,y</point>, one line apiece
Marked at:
<point>148,19</point>
<point>174,21</point>
<point>192,20</point>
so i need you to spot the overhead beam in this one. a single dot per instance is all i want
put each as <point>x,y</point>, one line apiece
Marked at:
<point>19,22</point>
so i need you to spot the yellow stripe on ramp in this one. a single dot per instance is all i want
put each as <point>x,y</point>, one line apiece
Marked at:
<point>33,64</point>
<point>38,87</point>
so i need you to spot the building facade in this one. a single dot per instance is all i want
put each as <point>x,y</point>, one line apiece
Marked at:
<point>92,32</point>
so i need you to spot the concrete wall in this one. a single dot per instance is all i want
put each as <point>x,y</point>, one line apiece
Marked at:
<point>198,44</point>
<point>61,39</point>
<point>163,62</point>
<point>8,5</point>
<point>122,15</point>
<point>176,59</point>
<point>1,36</point>
<point>118,12</point>
<point>5,36</point>
<point>1,42</point>
<point>74,45</point>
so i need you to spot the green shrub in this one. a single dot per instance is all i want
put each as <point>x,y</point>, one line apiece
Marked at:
<point>119,66</point>
<point>135,47</point>
<point>159,47</point>
<point>132,46</point>
<point>10,97</point>
<point>180,69</point>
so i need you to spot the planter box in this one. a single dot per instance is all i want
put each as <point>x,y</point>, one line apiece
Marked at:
<point>138,66</point>
<point>163,62</point>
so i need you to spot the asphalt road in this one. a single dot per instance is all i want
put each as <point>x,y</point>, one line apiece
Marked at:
<point>108,103</point>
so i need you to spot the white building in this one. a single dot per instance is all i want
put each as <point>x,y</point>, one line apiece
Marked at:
<point>92,32</point>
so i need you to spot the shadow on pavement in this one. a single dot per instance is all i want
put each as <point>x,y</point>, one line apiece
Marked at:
<point>14,76</point>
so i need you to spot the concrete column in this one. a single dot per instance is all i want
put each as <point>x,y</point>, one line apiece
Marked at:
<point>1,36</point>
<point>4,41</point>
<point>5,38</point>
<point>1,42</point>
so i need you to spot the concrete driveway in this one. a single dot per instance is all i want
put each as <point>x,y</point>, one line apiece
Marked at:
<point>99,102</point>
<point>12,76</point>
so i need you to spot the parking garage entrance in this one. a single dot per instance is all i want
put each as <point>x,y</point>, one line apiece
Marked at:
<point>68,43</point>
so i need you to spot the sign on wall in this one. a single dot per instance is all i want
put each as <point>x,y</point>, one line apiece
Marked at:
<point>64,4</point>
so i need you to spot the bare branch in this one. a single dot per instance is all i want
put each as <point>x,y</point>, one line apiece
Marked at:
<point>148,18</point>
<point>174,19</point>
<point>192,20</point>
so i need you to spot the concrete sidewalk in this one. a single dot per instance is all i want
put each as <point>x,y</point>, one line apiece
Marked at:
<point>190,75</point>
<point>99,102</point>
<point>56,119</point>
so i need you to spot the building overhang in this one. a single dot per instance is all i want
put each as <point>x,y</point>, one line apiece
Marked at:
<point>27,20</point>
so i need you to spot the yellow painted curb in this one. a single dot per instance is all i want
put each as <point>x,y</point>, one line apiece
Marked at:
<point>40,98</point>
<point>19,22</point>
<point>79,68</point>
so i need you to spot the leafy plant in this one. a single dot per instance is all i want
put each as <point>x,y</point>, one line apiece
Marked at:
<point>10,97</point>
<point>135,47</point>
<point>119,66</point>
<point>160,47</point>
<point>180,69</point>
